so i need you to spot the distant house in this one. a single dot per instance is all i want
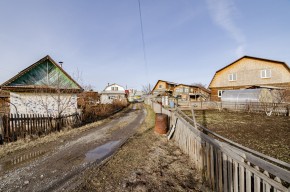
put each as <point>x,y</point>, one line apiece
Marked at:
<point>250,72</point>
<point>42,88</point>
<point>163,86</point>
<point>112,92</point>
<point>135,95</point>
<point>191,92</point>
<point>183,91</point>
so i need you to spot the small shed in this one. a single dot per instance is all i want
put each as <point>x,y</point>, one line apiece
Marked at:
<point>247,95</point>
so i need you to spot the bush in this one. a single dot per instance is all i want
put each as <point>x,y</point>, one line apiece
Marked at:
<point>93,113</point>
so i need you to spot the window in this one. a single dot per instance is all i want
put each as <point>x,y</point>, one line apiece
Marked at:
<point>114,88</point>
<point>186,90</point>
<point>111,97</point>
<point>160,86</point>
<point>220,92</point>
<point>265,73</point>
<point>233,77</point>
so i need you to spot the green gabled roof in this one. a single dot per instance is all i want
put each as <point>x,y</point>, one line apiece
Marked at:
<point>45,73</point>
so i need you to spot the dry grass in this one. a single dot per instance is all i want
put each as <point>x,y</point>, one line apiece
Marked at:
<point>268,135</point>
<point>147,162</point>
<point>95,112</point>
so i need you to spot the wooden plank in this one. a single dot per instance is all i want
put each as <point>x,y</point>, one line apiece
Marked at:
<point>266,186</point>
<point>220,168</point>
<point>248,180</point>
<point>279,181</point>
<point>257,180</point>
<point>241,178</point>
<point>235,179</point>
<point>207,155</point>
<point>212,173</point>
<point>216,171</point>
<point>30,124</point>
<point>230,174</point>
<point>225,172</point>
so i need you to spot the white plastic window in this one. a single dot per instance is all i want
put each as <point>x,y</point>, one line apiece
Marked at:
<point>233,77</point>
<point>220,92</point>
<point>265,73</point>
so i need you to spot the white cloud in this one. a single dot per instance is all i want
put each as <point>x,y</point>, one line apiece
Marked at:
<point>222,13</point>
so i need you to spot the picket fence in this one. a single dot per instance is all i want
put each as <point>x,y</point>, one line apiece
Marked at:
<point>15,126</point>
<point>225,165</point>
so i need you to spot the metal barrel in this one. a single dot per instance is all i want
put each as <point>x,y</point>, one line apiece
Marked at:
<point>161,123</point>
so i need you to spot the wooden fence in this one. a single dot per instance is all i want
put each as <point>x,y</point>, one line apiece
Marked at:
<point>16,126</point>
<point>225,165</point>
<point>255,107</point>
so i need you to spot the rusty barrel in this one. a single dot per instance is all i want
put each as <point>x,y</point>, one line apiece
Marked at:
<point>161,124</point>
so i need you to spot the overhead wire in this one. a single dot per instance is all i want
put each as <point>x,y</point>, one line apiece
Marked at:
<point>143,41</point>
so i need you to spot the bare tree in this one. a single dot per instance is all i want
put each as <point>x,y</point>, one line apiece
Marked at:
<point>281,95</point>
<point>87,87</point>
<point>147,89</point>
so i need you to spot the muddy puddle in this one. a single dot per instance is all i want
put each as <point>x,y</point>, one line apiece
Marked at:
<point>7,165</point>
<point>101,152</point>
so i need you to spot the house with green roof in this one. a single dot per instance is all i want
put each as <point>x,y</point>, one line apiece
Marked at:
<point>42,88</point>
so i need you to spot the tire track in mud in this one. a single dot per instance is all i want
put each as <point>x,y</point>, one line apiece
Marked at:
<point>57,169</point>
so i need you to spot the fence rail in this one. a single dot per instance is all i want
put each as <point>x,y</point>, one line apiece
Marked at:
<point>226,167</point>
<point>269,108</point>
<point>15,126</point>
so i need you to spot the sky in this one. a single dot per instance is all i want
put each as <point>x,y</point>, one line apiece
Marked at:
<point>100,41</point>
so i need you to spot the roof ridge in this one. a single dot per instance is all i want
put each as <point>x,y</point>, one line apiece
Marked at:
<point>30,67</point>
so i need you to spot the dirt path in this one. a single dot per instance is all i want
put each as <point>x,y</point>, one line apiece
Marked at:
<point>146,162</point>
<point>51,166</point>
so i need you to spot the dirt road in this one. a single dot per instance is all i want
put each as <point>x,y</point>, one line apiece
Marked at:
<point>54,165</point>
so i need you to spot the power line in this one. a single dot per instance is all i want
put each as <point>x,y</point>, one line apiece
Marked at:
<point>143,41</point>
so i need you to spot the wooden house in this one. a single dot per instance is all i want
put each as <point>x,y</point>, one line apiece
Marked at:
<point>191,92</point>
<point>249,72</point>
<point>112,92</point>
<point>42,88</point>
<point>162,87</point>
<point>183,91</point>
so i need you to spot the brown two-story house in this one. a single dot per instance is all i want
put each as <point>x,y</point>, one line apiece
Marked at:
<point>248,72</point>
<point>183,91</point>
